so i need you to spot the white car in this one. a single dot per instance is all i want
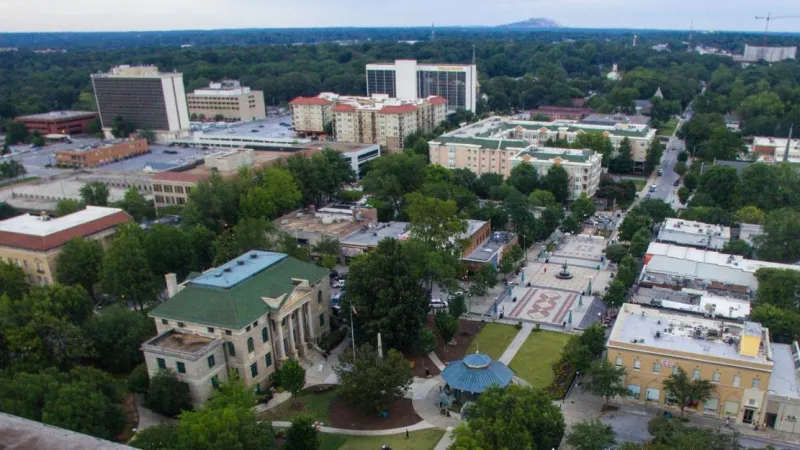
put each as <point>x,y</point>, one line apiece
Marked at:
<point>437,303</point>
<point>338,284</point>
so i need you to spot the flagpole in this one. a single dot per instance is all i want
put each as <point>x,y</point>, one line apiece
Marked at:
<point>353,332</point>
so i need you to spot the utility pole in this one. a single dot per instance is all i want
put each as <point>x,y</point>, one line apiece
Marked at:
<point>768,18</point>
<point>788,144</point>
<point>691,35</point>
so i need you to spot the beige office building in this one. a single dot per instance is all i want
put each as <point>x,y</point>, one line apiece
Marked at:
<point>229,99</point>
<point>736,357</point>
<point>248,316</point>
<point>583,166</point>
<point>34,242</point>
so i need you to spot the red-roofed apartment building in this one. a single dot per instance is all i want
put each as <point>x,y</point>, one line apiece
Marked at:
<point>34,242</point>
<point>311,114</point>
<point>384,121</point>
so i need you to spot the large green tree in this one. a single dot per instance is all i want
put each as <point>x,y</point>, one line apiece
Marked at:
<point>582,207</point>
<point>116,335</point>
<point>136,205</point>
<point>80,262</point>
<point>370,382</point>
<point>391,177</point>
<point>592,435</point>
<point>68,206</point>
<point>623,161</point>
<point>168,251</point>
<point>685,391</point>
<point>302,434</point>
<point>167,395</point>
<point>721,183</point>
<point>556,180</point>
<point>95,193</point>
<point>524,177</point>
<point>516,416</point>
<point>126,270</point>
<point>607,380</point>
<point>781,239</point>
<point>12,280</point>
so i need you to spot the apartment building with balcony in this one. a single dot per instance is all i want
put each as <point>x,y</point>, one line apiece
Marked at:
<point>310,115</point>
<point>247,315</point>
<point>583,166</point>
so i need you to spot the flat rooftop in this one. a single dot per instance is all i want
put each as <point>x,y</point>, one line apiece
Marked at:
<point>694,255</point>
<point>692,227</point>
<point>783,381</point>
<point>678,332</point>
<point>239,269</point>
<point>35,226</point>
<point>56,116</point>
<point>309,223</point>
<point>370,235</point>
<point>695,301</point>
<point>179,341</point>
<point>341,147</point>
<point>491,246</point>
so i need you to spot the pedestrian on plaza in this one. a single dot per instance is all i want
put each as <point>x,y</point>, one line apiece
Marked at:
<point>728,421</point>
<point>406,433</point>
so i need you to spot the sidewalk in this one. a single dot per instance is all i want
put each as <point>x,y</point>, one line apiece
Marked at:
<point>423,425</point>
<point>515,344</point>
<point>446,441</point>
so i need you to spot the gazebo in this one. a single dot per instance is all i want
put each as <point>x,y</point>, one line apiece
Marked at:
<point>475,373</point>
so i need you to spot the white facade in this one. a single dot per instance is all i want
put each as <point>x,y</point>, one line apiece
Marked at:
<point>694,234</point>
<point>770,54</point>
<point>359,158</point>
<point>582,166</point>
<point>409,80</point>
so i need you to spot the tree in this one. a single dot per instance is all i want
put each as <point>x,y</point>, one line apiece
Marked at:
<point>12,280</point>
<point>582,207</point>
<point>80,406</point>
<point>457,306</point>
<point>484,183</point>
<point>541,198</point>
<point>749,214</point>
<point>592,435</point>
<point>159,437</point>
<point>738,247</point>
<point>507,266</point>
<point>627,270</point>
<point>634,221</point>
<point>623,162</point>
<point>387,294</point>
<point>199,239</point>
<point>214,203</point>
<point>524,177</point>
<point>94,127</point>
<point>167,395</point>
<point>16,132</point>
<point>116,335</point>
<point>139,379</point>
<point>683,194</point>
<point>68,206</point>
<point>657,209</point>
<point>167,251</point>
<point>691,180</point>
<point>126,270</point>
<point>537,423</point>
<point>607,380</point>
<point>292,377</point>
<point>80,262</point>
<point>616,252</point>
<point>653,157</point>
<point>371,383</point>
<point>594,339</point>
<point>571,225</point>
<point>781,239</point>
<point>721,184</point>
<point>680,168</point>
<point>640,242</point>
<point>135,204</point>
<point>277,194</point>
<point>615,296</point>
<point>392,177</point>
<point>327,246</point>
<point>95,193</point>
<point>148,135</point>
<point>484,280</point>
<point>447,325</point>
<point>426,342</point>
<point>685,391</point>
<point>64,302</point>
<point>778,287</point>
<point>122,128</point>
<point>783,323</point>
<point>435,223</point>
<point>556,180</point>
<point>303,434</point>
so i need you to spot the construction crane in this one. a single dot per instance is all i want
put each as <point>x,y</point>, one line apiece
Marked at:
<point>768,18</point>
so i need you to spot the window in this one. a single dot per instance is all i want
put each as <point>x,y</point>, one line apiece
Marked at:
<point>247,328</point>
<point>254,370</point>
<point>731,409</point>
<point>737,380</point>
<point>264,335</point>
<point>251,346</point>
<point>637,364</point>
<point>268,359</point>
<point>210,329</point>
<point>696,374</point>
<point>211,361</point>
<point>181,367</point>
<point>756,383</point>
<point>715,377</point>
<point>214,382</point>
<point>255,324</point>
<point>710,406</point>
<point>161,363</point>
<point>652,394</point>
<point>231,349</point>
<point>618,361</point>
<point>322,319</point>
<point>228,332</point>
<point>634,390</point>
<point>164,322</point>
<point>181,325</point>
<point>675,370</point>
<point>319,297</point>
<point>656,367</point>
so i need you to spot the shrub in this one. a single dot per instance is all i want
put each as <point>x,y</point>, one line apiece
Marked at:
<point>167,395</point>
<point>139,379</point>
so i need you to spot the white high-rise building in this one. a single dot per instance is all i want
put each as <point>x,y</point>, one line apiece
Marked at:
<point>754,53</point>
<point>406,79</point>
<point>150,99</point>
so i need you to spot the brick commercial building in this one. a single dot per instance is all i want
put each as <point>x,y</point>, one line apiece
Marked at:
<point>103,153</point>
<point>58,122</point>
<point>248,315</point>
<point>229,99</point>
<point>560,113</point>
<point>34,242</point>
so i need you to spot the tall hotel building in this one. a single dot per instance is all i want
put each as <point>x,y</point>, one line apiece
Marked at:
<point>407,80</point>
<point>152,100</point>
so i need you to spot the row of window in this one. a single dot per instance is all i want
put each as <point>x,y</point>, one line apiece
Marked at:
<point>24,264</point>
<point>715,377</point>
<point>169,188</point>
<point>170,200</point>
<point>710,406</point>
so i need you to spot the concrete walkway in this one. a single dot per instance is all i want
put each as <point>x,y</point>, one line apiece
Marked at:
<point>424,402</point>
<point>516,344</point>
<point>276,400</point>
<point>446,441</point>
<point>423,425</point>
<point>436,361</point>
<point>319,370</point>
<point>148,418</point>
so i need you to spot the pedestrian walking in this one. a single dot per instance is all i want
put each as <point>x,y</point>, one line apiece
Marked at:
<point>406,433</point>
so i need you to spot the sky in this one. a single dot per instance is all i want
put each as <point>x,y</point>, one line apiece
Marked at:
<point>141,15</point>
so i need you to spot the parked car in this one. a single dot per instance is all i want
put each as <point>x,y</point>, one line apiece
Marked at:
<point>334,274</point>
<point>338,284</point>
<point>660,172</point>
<point>653,187</point>
<point>676,182</point>
<point>437,303</point>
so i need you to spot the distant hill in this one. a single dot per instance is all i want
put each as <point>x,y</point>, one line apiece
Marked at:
<point>534,22</point>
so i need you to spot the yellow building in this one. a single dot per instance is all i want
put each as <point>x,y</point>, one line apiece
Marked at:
<point>34,242</point>
<point>229,99</point>
<point>736,357</point>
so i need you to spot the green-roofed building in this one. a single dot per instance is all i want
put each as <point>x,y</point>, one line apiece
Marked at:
<point>583,166</point>
<point>247,315</point>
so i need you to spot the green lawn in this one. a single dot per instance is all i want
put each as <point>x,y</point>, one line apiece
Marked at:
<point>313,404</point>
<point>668,128</point>
<point>640,184</point>
<point>418,440</point>
<point>534,360</point>
<point>493,340</point>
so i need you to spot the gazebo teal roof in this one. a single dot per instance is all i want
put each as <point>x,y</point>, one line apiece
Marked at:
<point>475,373</point>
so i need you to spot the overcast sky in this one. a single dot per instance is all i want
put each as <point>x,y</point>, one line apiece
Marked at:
<point>125,15</point>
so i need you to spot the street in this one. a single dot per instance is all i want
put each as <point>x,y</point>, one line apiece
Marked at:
<point>665,189</point>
